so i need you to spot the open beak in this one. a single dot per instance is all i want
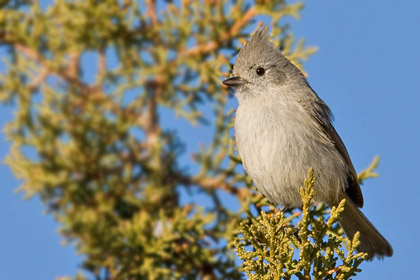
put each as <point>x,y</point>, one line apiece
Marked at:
<point>234,81</point>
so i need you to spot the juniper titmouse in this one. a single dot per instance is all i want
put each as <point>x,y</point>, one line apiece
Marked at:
<point>283,129</point>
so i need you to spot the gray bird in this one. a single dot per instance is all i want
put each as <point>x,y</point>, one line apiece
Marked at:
<point>283,128</point>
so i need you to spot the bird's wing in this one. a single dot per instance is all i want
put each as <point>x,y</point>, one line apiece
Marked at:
<point>322,114</point>
<point>353,187</point>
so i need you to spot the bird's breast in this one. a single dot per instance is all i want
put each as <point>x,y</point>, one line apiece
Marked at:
<point>278,145</point>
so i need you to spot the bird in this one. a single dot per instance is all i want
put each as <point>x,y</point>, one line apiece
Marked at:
<point>283,128</point>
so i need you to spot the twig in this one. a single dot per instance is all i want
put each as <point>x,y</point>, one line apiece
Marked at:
<point>73,65</point>
<point>234,30</point>
<point>39,79</point>
<point>212,184</point>
<point>101,64</point>
<point>67,74</point>
<point>151,12</point>
<point>242,22</point>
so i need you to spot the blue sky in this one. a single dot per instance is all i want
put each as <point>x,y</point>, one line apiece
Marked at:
<point>366,70</point>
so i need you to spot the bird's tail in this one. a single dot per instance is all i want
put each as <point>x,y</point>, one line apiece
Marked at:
<point>371,241</point>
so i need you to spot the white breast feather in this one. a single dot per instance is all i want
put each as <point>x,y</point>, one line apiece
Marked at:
<point>277,151</point>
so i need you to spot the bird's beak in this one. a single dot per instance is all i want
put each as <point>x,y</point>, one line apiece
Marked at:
<point>234,81</point>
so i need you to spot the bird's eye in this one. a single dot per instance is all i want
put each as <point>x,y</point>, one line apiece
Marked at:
<point>260,71</point>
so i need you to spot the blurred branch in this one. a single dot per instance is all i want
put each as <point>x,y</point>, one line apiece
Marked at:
<point>213,184</point>
<point>69,73</point>
<point>224,37</point>
<point>151,11</point>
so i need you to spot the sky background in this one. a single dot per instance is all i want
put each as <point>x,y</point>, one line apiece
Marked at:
<point>366,70</point>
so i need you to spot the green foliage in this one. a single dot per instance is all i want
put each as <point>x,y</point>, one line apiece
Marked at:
<point>89,140</point>
<point>369,172</point>
<point>310,250</point>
